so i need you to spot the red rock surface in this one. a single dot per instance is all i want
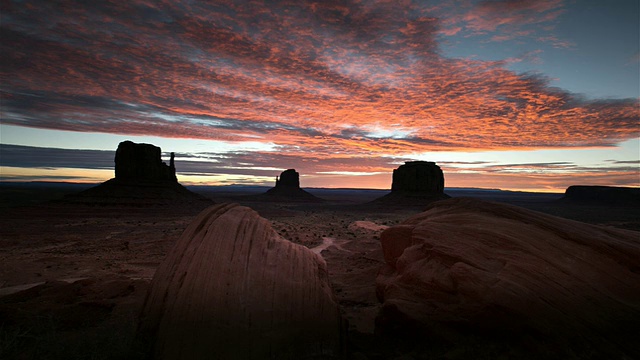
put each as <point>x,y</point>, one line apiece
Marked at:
<point>476,265</point>
<point>233,288</point>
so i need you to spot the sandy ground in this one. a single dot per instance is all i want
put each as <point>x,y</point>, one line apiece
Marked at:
<point>103,258</point>
<point>55,248</point>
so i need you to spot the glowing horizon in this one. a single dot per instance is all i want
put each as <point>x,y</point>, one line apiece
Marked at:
<point>251,164</point>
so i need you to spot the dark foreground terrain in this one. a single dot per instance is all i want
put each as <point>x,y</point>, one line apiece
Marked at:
<point>73,277</point>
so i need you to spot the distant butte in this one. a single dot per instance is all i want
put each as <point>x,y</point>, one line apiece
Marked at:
<point>289,179</point>
<point>602,195</point>
<point>141,179</point>
<point>416,183</point>
<point>142,162</point>
<point>288,189</point>
<point>418,177</point>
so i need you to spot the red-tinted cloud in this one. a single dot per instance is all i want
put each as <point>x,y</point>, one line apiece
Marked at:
<point>490,14</point>
<point>504,20</point>
<point>336,79</point>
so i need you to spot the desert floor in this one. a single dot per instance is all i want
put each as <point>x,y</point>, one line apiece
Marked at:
<point>73,278</point>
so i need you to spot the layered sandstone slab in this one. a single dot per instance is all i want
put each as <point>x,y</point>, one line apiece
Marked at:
<point>475,265</point>
<point>232,288</point>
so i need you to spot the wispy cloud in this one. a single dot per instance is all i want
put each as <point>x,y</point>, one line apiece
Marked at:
<point>294,74</point>
<point>491,14</point>
<point>37,157</point>
<point>503,20</point>
<point>552,176</point>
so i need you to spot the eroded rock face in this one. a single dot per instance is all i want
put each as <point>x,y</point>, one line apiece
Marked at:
<point>423,177</point>
<point>232,288</point>
<point>489,267</point>
<point>289,178</point>
<point>142,162</point>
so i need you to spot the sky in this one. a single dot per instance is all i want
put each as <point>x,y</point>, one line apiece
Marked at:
<point>509,94</point>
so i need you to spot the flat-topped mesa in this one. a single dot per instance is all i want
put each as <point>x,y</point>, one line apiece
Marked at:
<point>416,183</point>
<point>602,195</point>
<point>136,162</point>
<point>289,179</point>
<point>418,177</point>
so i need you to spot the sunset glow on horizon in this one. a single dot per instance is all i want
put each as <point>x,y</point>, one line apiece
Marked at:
<point>509,94</point>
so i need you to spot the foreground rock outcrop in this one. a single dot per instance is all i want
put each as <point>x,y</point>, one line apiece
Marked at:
<point>466,265</point>
<point>232,288</point>
<point>288,189</point>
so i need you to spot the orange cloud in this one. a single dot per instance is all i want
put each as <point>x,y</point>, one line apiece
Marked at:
<point>312,77</point>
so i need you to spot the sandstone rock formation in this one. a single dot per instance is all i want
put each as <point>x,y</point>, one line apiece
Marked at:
<point>141,180</point>
<point>496,268</point>
<point>415,183</point>
<point>288,189</point>
<point>602,195</point>
<point>289,179</point>
<point>142,162</point>
<point>232,288</point>
<point>418,177</point>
